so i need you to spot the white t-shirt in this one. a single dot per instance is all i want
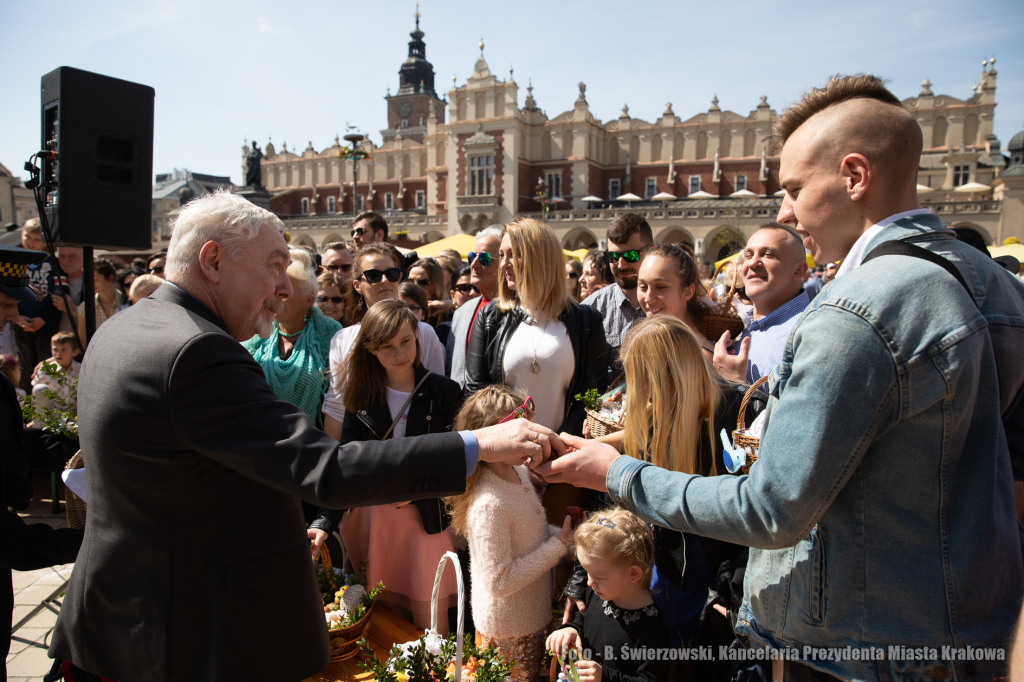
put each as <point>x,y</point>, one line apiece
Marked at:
<point>431,357</point>
<point>556,360</point>
<point>396,400</point>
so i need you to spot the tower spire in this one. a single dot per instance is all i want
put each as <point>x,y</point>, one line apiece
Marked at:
<point>417,16</point>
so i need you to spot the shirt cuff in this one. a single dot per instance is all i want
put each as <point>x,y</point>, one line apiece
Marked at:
<point>472,451</point>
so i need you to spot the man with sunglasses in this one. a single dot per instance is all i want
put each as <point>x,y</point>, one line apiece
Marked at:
<point>370,227</point>
<point>483,274</point>
<point>629,238</point>
<point>338,259</point>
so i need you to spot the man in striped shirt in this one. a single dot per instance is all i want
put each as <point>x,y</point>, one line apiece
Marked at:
<point>773,271</point>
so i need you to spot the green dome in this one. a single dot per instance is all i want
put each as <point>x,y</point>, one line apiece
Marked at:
<point>1016,142</point>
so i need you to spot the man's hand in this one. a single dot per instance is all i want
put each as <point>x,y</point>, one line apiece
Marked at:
<point>317,536</point>
<point>585,467</point>
<point>589,671</point>
<point>31,324</point>
<point>518,442</point>
<point>731,366</point>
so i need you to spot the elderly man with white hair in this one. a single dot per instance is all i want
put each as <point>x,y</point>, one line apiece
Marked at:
<point>195,563</point>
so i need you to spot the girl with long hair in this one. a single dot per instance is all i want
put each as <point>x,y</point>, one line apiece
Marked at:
<point>512,549</point>
<point>377,274</point>
<point>389,394</point>
<point>669,282</point>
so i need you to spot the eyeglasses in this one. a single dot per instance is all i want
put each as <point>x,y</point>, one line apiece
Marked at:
<point>358,231</point>
<point>415,308</point>
<point>521,411</point>
<point>336,300</point>
<point>574,275</point>
<point>629,256</point>
<point>485,258</point>
<point>466,289</point>
<point>374,276</point>
<point>422,282</point>
<point>156,271</point>
<point>343,267</point>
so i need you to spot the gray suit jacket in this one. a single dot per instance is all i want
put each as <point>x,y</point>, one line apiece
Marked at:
<point>460,332</point>
<point>195,563</point>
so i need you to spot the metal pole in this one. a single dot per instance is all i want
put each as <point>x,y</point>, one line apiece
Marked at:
<point>89,293</point>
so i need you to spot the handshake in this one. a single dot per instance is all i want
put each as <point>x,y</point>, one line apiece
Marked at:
<point>557,458</point>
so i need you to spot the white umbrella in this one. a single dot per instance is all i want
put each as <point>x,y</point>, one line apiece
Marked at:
<point>701,194</point>
<point>781,193</point>
<point>663,196</point>
<point>628,197</point>
<point>972,187</point>
<point>591,197</point>
<point>742,193</point>
<point>921,189</point>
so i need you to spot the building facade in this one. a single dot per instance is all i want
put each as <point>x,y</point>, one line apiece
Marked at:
<point>476,157</point>
<point>173,189</point>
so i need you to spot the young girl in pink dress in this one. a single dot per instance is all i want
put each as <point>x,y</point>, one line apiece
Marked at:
<point>512,549</point>
<point>389,394</point>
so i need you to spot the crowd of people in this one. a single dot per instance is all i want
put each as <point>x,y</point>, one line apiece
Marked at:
<point>889,410</point>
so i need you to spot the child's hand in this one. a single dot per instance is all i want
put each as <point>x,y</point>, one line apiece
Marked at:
<point>561,640</point>
<point>565,535</point>
<point>589,671</point>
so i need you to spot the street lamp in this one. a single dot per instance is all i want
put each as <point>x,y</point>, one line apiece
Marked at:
<point>354,153</point>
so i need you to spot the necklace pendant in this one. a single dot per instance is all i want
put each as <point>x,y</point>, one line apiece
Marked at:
<point>534,367</point>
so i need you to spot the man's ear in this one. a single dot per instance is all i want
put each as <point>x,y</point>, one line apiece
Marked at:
<point>857,175</point>
<point>211,260</point>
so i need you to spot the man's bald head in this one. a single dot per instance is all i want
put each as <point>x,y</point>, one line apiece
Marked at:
<point>857,114</point>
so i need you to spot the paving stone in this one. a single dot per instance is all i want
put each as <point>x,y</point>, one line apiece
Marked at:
<point>32,663</point>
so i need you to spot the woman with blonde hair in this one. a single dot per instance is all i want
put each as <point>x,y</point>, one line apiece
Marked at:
<point>534,337</point>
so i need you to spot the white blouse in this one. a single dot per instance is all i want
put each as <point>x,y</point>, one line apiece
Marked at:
<point>555,362</point>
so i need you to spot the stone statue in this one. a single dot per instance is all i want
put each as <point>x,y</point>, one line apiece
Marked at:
<point>253,173</point>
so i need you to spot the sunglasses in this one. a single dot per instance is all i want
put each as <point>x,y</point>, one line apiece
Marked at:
<point>521,411</point>
<point>629,256</point>
<point>422,282</point>
<point>359,231</point>
<point>336,300</point>
<point>466,289</point>
<point>485,258</point>
<point>374,276</point>
<point>344,267</point>
<point>574,275</point>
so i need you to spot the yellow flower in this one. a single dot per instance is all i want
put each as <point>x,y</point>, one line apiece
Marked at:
<point>401,677</point>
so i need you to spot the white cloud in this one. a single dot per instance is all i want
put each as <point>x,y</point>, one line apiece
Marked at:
<point>267,27</point>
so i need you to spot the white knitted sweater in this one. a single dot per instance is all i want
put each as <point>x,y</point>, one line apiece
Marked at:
<point>511,552</point>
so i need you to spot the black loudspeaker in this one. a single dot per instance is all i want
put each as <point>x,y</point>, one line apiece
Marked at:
<point>101,129</point>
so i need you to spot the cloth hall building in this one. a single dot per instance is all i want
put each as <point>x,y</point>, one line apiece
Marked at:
<point>461,160</point>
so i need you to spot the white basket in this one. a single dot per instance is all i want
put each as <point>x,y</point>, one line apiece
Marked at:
<point>431,635</point>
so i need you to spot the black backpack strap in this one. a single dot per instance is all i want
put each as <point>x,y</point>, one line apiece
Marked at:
<point>901,248</point>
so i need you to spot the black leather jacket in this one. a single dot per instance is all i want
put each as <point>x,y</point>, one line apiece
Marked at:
<point>492,331</point>
<point>432,410</point>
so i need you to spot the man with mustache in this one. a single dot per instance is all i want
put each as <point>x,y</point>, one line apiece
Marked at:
<point>629,238</point>
<point>195,563</point>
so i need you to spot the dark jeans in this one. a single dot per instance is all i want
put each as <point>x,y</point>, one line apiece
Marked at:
<point>798,672</point>
<point>33,348</point>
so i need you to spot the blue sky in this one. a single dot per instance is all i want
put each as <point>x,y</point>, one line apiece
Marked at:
<point>227,71</point>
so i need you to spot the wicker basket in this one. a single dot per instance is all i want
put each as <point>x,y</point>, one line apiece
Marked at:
<point>740,437</point>
<point>600,426</point>
<point>73,504</point>
<point>723,317</point>
<point>345,642</point>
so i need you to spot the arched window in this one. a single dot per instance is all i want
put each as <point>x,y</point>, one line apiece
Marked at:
<point>971,130</point>
<point>391,167</point>
<point>405,123</point>
<point>405,166</point>
<point>567,144</point>
<point>749,140</point>
<point>725,144</point>
<point>545,145</point>
<point>634,149</point>
<point>423,164</point>
<point>613,151</point>
<point>679,147</point>
<point>481,104</point>
<point>462,108</point>
<point>656,148</point>
<point>939,132</point>
<point>702,145</point>
<point>441,148</point>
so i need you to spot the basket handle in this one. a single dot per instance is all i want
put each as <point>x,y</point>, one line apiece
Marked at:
<point>450,556</point>
<point>746,399</point>
<point>732,287</point>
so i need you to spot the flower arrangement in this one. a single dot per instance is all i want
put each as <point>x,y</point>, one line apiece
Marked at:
<point>62,419</point>
<point>432,658</point>
<point>350,602</point>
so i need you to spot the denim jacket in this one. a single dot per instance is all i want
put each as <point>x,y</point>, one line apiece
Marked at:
<point>881,510</point>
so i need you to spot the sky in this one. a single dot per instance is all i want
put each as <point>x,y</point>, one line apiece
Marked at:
<point>303,70</point>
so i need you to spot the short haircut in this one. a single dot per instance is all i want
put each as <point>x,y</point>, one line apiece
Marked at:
<point>619,537</point>
<point>336,246</point>
<point>491,232</point>
<point>302,271</point>
<point>32,226</point>
<point>888,136</point>
<point>376,220</point>
<point>626,225</point>
<point>144,283</point>
<point>462,271</point>
<point>62,337</point>
<point>104,268</point>
<point>599,263</point>
<point>793,243</point>
<point>223,217</point>
<point>451,252</point>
